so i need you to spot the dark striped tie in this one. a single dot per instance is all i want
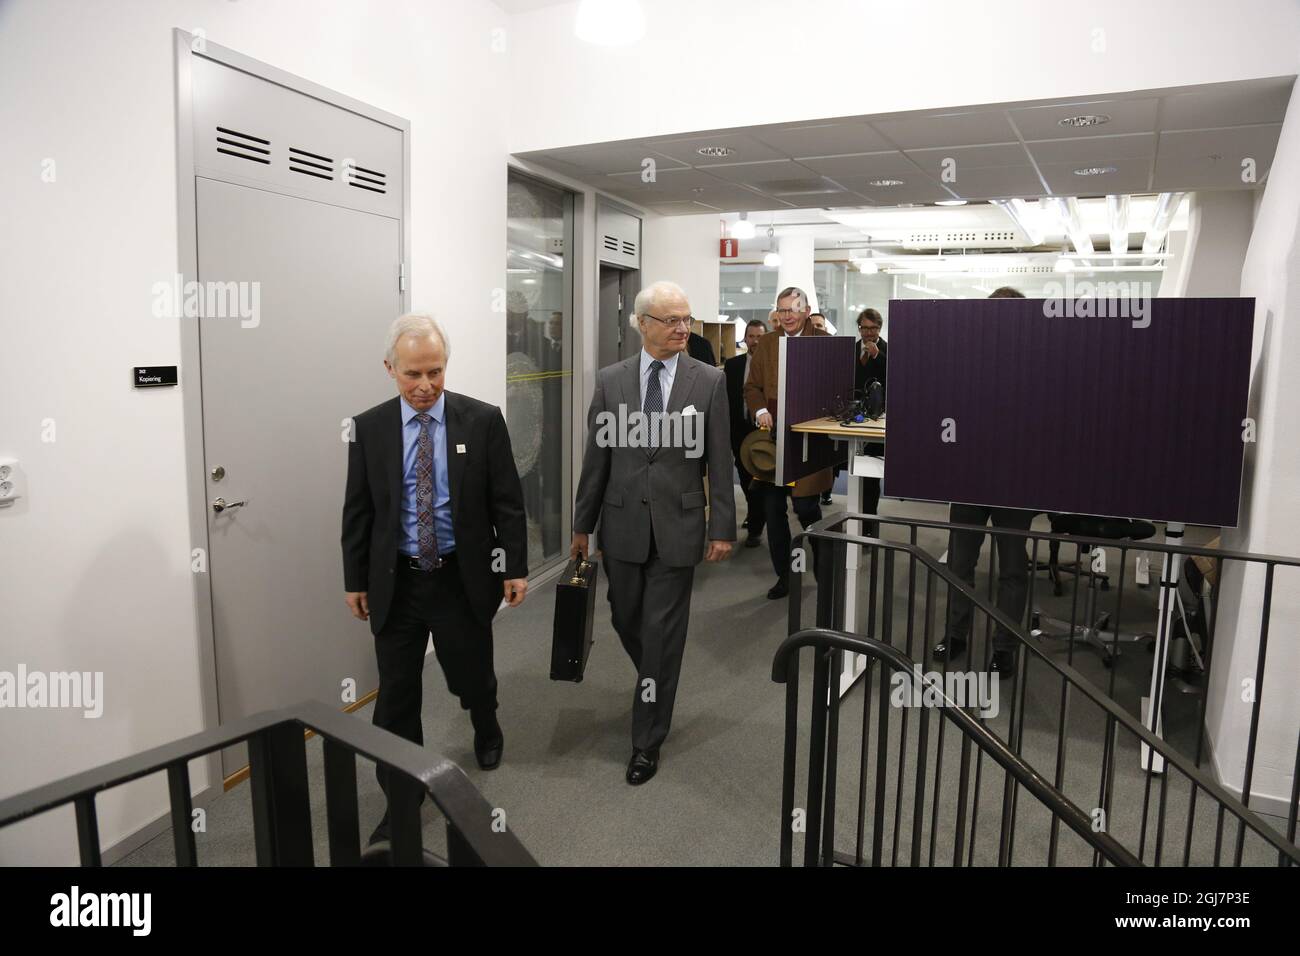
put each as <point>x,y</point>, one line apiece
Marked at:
<point>654,401</point>
<point>424,494</point>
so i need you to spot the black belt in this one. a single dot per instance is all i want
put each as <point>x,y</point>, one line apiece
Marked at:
<point>412,563</point>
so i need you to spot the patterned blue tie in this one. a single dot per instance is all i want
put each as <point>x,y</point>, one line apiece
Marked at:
<point>424,494</point>
<point>654,401</point>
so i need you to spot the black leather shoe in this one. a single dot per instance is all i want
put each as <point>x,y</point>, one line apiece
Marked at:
<point>779,590</point>
<point>487,750</point>
<point>381,832</point>
<point>753,540</point>
<point>642,766</point>
<point>1003,664</point>
<point>949,648</point>
<point>826,498</point>
<point>488,740</point>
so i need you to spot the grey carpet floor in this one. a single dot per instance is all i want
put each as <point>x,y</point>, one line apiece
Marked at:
<point>717,797</point>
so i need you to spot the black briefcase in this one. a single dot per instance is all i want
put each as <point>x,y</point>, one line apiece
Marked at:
<point>575,605</point>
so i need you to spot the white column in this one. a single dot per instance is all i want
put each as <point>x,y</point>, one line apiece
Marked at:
<point>796,266</point>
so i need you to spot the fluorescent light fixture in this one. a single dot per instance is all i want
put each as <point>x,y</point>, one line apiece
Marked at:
<point>1095,170</point>
<point>1018,212</point>
<point>886,182</point>
<point>950,202</point>
<point>747,289</point>
<point>609,22</point>
<point>1163,215</point>
<point>1067,211</point>
<point>742,228</point>
<point>715,152</point>
<point>1117,213</point>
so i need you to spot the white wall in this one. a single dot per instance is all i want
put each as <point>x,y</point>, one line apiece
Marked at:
<point>1221,222</point>
<point>684,249</point>
<point>95,573</point>
<point>818,59</point>
<point>1270,512</point>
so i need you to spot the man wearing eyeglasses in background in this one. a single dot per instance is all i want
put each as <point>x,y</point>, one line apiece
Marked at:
<point>872,353</point>
<point>794,315</point>
<point>650,505</point>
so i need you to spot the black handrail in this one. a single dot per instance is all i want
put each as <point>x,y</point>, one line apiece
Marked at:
<point>476,834</point>
<point>825,639</point>
<point>1116,715</point>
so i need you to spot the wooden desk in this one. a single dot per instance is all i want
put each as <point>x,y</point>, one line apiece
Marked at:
<point>861,467</point>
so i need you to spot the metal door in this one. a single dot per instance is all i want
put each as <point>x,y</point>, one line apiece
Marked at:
<point>278,389</point>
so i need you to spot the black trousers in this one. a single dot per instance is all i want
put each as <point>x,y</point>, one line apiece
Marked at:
<point>434,602</point>
<point>1013,567</point>
<point>807,508</point>
<point>650,606</point>
<point>750,487</point>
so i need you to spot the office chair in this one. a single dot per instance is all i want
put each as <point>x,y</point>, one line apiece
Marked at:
<point>1091,632</point>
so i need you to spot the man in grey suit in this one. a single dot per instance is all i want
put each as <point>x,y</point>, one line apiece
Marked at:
<point>656,421</point>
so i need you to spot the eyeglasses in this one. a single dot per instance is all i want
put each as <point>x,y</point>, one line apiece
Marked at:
<point>783,313</point>
<point>685,320</point>
<point>874,328</point>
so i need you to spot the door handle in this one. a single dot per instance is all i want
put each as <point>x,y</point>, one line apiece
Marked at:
<point>220,505</point>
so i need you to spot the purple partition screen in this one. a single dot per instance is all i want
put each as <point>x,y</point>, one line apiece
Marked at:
<point>1027,403</point>
<point>818,374</point>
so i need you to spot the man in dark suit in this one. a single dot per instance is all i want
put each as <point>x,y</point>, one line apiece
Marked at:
<point>434,537</point>
<point>648,496</point>
<point>698,348</point>
<point>737,370</point>
<point>871,359</point>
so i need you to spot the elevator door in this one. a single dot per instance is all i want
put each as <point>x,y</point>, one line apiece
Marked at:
<point>277,392</point>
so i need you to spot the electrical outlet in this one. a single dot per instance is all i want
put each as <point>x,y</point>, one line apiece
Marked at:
<point>13,484</point>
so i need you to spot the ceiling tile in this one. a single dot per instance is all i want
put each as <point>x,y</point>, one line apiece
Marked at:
<point>867,165</point>
<point>996,182</point>
<point>1236,104</point>
<point>824,139</point>
<point>947,129</point>
<point>753,174</point>
<point>746,149</point>
<point>969,157</point>
<point>1185,159</point>
<point>1130,176</point>
<point>1126,116</point>
<point>1091,150</point>
<point>917,188</point>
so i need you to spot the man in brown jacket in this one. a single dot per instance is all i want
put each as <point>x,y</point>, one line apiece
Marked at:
<point>792,312</point>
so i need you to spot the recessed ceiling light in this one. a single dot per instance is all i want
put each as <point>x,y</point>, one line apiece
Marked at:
<point>885,182</point>
<point>1087,119</point>
<point>746,289</point>
<point>1094,170</point>
<point>950,202</point>
<point>715,152</point>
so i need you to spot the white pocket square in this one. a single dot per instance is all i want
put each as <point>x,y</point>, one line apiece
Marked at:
<point>689,410</point>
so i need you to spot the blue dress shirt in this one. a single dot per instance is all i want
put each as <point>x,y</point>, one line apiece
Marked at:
<point>441,485</point>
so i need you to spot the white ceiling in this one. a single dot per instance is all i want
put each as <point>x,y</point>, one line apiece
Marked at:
<point>1155,141</point>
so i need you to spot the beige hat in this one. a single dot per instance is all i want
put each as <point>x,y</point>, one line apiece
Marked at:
<point>758,454</point>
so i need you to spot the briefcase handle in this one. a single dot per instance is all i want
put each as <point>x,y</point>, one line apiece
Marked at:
<point>579,570</point>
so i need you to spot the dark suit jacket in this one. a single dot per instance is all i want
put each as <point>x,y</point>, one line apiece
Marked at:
<point>698,348</point>
<point>734,369</point>
<point>875,368</point>
<point>487,504</point>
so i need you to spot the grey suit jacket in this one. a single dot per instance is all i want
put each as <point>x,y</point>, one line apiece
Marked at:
<point>630,490</point>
